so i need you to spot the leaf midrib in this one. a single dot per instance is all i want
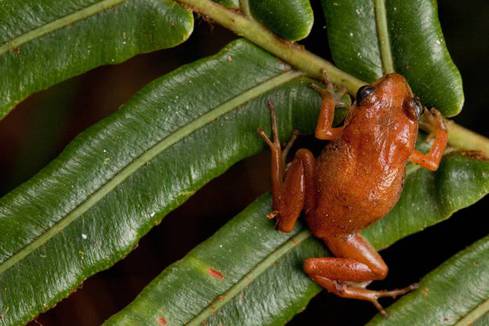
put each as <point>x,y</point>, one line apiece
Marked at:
<point>383,35</point>
<point>147,156</point>
<point>249,277</point>
<point>58,24</point>
<point>474,315</point>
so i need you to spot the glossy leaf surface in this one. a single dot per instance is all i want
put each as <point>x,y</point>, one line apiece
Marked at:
<point>89,207</point>
<point>250,274</point>
<point>290,19</point>
<point>456,293</point>
<point>415,43</point>
<point>45,42</point>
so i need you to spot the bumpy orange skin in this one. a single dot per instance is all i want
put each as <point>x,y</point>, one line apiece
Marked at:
<point>359,177</point>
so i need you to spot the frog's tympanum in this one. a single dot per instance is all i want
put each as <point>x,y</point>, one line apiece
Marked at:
<point>355,181</point>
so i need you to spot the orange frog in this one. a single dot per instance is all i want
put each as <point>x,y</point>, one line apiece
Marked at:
<point>355,181</point>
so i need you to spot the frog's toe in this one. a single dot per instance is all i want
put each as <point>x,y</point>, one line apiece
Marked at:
<point>272,215</point>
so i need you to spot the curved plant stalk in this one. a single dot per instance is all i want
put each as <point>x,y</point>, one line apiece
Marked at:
<point>289,52</point>
<point>308,62</point>
<point>460,137</point>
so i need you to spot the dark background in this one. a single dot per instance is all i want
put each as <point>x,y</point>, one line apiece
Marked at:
<point>37,131</point>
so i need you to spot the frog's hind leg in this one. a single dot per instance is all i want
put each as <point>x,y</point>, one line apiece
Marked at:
<point>292,190</point>
<point>296,191</point>
<point>356,261</point>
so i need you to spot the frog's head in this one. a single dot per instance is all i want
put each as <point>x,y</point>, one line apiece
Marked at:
<point>391,92</point>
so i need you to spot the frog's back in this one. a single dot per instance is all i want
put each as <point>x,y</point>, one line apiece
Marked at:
<point>360,176</point>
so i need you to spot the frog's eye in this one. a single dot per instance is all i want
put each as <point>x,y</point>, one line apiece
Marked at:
<point>413,107</point>
<point>364,92</point>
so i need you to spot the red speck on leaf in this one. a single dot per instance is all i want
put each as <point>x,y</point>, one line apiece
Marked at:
<point>215,274</point>
<point>162,321</point>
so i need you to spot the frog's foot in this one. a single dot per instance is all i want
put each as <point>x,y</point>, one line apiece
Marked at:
<point>290,143</point>
<point>396,292</point>
<point>345,290</point>
<point>273,214</point>
<point>433,120</point>
<point>330,89</point>
<point>274,143</point>
<point>347,277</point>
<point>389,293</point>
<point>322,90</point>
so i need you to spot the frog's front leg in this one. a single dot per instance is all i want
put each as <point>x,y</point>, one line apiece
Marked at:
<point>356,261</point>
<point>324,127</point>
<point>431,160</point>
<point>292,190</point>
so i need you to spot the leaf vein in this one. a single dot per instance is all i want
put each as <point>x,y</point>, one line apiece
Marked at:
<point>474,315</point>
<point>383,34</point>
<point>58,24</point>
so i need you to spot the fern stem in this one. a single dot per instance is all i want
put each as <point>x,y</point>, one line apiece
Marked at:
<point>313,65</point>
<point>384,42</point>
<point>292,53</point>
<point>463,138</point>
